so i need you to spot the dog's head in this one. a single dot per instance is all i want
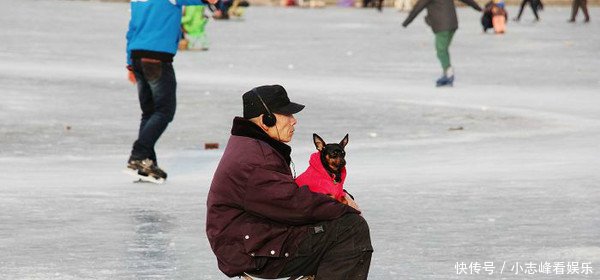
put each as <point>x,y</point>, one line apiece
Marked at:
<point>333,156</point>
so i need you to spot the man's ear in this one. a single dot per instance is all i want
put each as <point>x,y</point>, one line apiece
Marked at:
<point>259,121</point>
<point>319,143</point>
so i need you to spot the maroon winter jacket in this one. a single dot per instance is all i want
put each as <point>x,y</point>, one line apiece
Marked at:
<point>255,209</point>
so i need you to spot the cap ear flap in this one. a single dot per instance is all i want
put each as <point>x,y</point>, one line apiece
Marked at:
<point>319,143</point>
<point>344,142</point>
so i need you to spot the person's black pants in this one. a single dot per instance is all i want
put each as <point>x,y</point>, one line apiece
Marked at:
<point>575,8</point>
<point>156,85</point>
<point>338,249</point>
<point>534,6</point>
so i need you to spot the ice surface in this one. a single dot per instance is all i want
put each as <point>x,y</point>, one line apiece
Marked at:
<point>518,182</point>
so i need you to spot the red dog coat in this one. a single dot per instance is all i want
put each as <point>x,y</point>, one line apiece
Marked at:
<point>318,180</point>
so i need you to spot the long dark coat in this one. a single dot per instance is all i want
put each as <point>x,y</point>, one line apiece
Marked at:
<point>441,14</point>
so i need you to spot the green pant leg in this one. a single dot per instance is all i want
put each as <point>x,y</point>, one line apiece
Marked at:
<point>442,43</point>
<point>203,23</point>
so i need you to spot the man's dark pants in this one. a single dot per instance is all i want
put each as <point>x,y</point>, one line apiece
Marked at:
<point>575,8</point>
<point>338,249</point>
<point>534,7</point>
<point>156,91</point>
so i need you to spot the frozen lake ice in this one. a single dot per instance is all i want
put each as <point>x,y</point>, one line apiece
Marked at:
<point>517,184</point>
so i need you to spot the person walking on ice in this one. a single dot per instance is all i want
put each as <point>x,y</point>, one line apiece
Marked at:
<point>577,4</point>
<point>441,16</point>
<point>536,5</point>
<point>152,41</point>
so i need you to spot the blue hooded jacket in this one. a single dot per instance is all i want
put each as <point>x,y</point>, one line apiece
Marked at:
<point>155,26</point>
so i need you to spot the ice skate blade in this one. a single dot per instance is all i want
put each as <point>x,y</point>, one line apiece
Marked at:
<point>143,179</point>
<point>203,49</point>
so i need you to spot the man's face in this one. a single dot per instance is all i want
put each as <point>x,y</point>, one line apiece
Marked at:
<point>284,128</point>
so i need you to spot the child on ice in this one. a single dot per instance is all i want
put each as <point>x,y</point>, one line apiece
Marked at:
<point>193,24</point>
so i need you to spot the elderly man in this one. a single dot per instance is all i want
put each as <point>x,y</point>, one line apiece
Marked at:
<point>259,222</point>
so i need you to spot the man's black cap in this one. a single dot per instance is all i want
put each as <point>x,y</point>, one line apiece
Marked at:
<point>275,98</point>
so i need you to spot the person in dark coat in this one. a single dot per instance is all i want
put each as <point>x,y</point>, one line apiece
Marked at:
<point>376,3</point>
<point>486,18</point>
<point>575,8</point>
<point>259,222</point>
<point>535,6</point>
<point>441,16</point>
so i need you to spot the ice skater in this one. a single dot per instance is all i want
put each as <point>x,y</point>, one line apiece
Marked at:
<point>494,16</point>
<point>575,8</point>
<point>259,222</point>
<point>152,41</point>
<point>536,5</point>
<point>193,24</point>
<point>226,9</point>
<point>373,3</point>
<point>441,16</point>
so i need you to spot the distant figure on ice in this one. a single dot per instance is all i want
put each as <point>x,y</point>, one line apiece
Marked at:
<point>536,5</point>
<point>403,5</point>
<point>152,41</point>
<point>230,8</point>
<point>369,4</point>
<point>575,8</point>
<point>193,24</point>
<point>259,222</point>
<point>494,16</point>
<point>441,16</point>
<point>312,3</point>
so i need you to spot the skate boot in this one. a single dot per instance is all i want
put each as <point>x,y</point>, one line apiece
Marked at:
<point>146,170</point>
<point>447,78</point>
<point>445,81</point>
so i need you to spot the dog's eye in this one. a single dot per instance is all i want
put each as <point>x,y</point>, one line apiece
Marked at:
<point>337,153</point>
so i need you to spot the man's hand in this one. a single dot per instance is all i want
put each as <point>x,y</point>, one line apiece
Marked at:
<point>131,75</point>
<point>212,1</point>
<point>351,202</point>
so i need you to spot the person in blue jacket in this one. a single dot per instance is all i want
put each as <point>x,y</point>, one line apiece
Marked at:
<point>152,39</point>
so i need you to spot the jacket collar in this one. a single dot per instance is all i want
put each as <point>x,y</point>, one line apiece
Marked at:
<point>245,128</point>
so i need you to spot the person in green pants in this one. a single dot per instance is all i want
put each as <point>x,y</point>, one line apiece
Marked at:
<point>441,16</point>
<point>193,23</point>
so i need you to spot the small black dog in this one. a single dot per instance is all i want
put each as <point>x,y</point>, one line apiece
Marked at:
<point>326,171</point>
<point>333,156</point>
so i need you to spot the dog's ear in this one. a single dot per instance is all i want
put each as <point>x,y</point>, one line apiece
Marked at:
<point>344,142</point>
<point>319,143</point>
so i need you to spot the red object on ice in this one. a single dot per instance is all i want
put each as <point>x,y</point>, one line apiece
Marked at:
<point>211,146</point>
